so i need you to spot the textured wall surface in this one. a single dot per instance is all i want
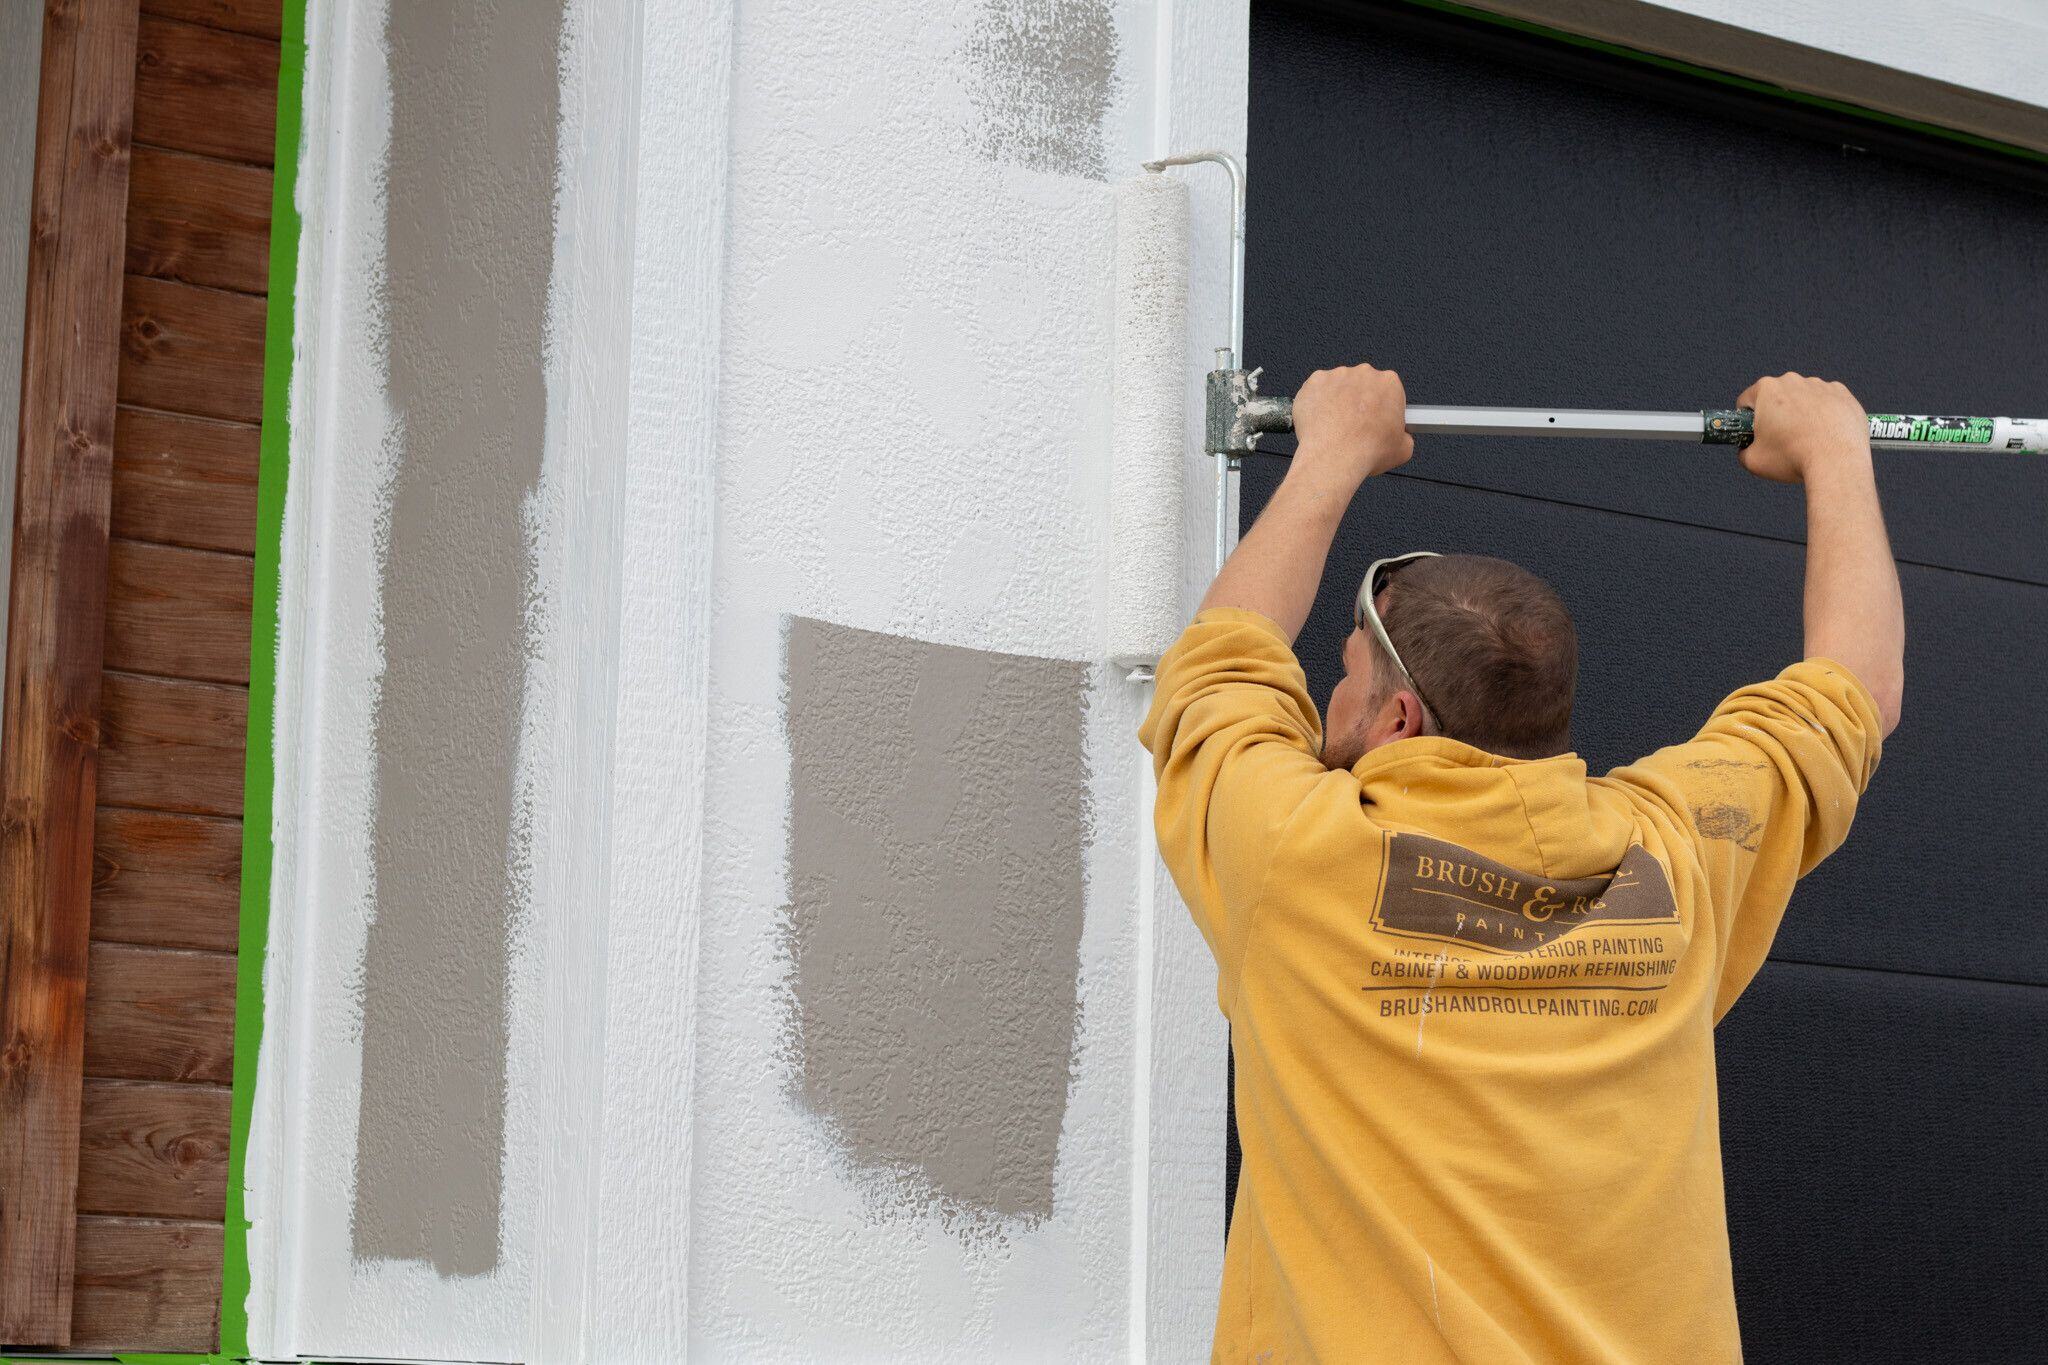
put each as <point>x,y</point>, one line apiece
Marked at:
<point>469,243</point>
<point>1885,1068</point>
<point>937,830</point>
<point>971,518</point>
<point>509,235</point>
<point>1041,74</point>
<point>893,335</point>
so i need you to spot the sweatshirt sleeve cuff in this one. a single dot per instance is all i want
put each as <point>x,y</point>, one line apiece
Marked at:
<point>1244,616</point>
<point>1835,681</point>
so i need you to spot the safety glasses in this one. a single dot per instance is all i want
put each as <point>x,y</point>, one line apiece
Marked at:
<point>1367,613</point>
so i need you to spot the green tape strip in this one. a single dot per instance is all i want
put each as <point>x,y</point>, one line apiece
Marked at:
<point>1707,73</point>
<point>257,782</point>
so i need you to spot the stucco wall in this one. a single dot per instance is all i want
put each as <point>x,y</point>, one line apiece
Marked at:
<point>760,1099</point>
<point>913,446</point>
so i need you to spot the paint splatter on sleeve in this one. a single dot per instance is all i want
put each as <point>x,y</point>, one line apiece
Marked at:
<point>1766,789</point>
<point>1234,741</point>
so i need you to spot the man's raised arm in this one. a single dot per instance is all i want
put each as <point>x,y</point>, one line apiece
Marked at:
<point>1350,424</point>
<point>1815,433</point>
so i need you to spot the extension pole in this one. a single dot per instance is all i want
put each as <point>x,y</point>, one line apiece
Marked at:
<point>1725,426</point>
<point>1238,416</point>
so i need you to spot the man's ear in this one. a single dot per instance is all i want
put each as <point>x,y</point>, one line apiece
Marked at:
<point>1414,719</point>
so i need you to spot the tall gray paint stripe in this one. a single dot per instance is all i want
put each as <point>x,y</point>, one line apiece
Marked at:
<point>936,839</point>
<point>469,225</point>
<point>1041,74</point>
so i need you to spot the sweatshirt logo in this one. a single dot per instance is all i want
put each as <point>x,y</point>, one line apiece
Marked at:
<point>1436,890</point>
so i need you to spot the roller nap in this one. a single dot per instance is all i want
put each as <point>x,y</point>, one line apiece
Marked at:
<point>1148,431</point>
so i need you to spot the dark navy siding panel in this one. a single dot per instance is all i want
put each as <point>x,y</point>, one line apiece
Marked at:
<point>1942,869</point>
<point>1503,236</point>
<point>1881,1138</point>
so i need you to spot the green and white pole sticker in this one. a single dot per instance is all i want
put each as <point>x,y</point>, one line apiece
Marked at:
<point>1906,431</point>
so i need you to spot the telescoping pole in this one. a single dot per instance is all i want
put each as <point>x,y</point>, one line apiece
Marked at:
<point>1238,415</point>
<point>1727,426</point>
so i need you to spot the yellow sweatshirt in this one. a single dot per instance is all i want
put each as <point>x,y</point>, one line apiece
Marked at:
<point>1473,999</point>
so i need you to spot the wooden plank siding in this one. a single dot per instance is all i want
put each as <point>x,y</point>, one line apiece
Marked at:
<point>172,744</point>
<point>70,355</point>
<point>167,878</point>
<point>148,1279</point>
<point>159,1018</point>
<point>263,18</point>
<point>192,350</point>
<point>159,1014</point>
<point>140,1190</point>
<point>197,220</point>
<point>185,481</point>
<point>154,1150</point>
<point>205,90</point>
<point>178,613</point>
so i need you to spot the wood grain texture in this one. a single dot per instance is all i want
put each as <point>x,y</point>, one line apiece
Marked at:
<point>159,1014</point>
<point>147,1283</point>
<point>70,355</point>
<point>198,220</point>
<point>167,880</point>
<point>177,612</point>
<point>206,90</point>
<point>192,350</point>
<point>153,1149</point>
<point>185,480</point>
<point>261,18</point>
<point>172,745</point>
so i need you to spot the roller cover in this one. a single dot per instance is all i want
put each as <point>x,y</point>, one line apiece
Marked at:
<point>1148,432</point>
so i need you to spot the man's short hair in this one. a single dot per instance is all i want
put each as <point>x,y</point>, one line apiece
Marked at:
<point>1492,650</point>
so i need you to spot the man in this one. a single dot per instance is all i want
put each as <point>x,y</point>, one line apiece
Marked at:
<point>1472,990</point>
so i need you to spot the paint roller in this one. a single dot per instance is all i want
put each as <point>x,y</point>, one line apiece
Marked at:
<point>1148,425</point>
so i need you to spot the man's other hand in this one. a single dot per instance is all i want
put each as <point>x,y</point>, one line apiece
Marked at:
<point>1352,421</point>
<point>1803,424</point>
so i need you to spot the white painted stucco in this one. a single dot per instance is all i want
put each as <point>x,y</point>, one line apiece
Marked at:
<point>863,375</point>
<point>821,345</point>
<point>914,440</point>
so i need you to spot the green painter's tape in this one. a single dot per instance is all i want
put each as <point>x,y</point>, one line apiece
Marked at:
<point>1727,78</point>
<point>257,782</point>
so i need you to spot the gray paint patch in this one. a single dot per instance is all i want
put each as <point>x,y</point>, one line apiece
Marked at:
<point>936,836</point>
<point>1041,74</point>
<point>470,190</point>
